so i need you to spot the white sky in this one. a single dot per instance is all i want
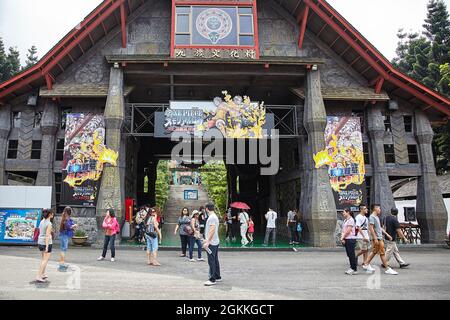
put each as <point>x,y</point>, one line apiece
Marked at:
<point>44,22</point>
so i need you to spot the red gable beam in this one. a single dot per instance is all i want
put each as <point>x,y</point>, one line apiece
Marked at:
<point>123,21</point>
<point>303,27</point>
<point>49,81</point>
<point>347,38</point>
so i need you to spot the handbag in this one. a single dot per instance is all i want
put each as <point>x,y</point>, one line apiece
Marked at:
<point>36,234</point>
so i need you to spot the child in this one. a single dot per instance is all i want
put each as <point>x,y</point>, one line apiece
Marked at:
<point>251,229</point>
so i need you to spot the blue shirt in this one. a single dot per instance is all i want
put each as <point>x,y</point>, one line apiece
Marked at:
<point>68,231</point>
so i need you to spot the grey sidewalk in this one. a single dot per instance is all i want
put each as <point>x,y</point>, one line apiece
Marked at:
<point>251,275</point>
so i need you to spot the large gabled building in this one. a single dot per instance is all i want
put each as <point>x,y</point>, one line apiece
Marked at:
<point>128,58</point>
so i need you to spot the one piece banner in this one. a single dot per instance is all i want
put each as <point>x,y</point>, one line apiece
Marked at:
<point>17,225</point>
<point>344,157</point>
<point>84,157</point>
<point>236,117</point>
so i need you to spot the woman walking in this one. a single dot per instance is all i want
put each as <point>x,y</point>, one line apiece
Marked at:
<point>348,239</point>
<point>251,229</point>
<point>111,228</point>
<point>45,243</point>
<point>196,237</point>
<point>299,230</point>
<point>183,225</point>
<point>152,234</point>
<point>66,229</point>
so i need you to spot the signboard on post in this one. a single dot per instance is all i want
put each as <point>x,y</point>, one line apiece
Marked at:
<point>17,225</point>
<point>84,157</point>
<point>344,156</point>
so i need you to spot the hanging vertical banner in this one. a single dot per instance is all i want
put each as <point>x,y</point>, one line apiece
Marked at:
<point>84,157</point>
<point>344,157</point>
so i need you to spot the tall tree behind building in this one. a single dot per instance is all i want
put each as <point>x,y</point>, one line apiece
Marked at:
<point>426,58</point>
<point>9,62</point>
<point>32,57</point>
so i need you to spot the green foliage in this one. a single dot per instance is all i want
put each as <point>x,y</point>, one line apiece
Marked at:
<point>9,62</point>
<point>426,58</point>
<point>80,233</point>
<point>162,183</point>
<point>214,180</point>
<point>32,57</point>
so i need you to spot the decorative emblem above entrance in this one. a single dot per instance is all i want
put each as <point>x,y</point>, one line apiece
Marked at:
<point>214,24</point>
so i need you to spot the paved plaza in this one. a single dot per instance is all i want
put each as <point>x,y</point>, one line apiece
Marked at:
<point>307,274</point>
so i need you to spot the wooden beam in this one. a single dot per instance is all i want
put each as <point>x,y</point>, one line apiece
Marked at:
<point>379,85</point>
<point>123,25</point>
<point>303,28</point>
<point>347,38</point>
<point>48,81</point>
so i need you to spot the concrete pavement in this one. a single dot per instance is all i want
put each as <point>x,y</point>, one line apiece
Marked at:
<point>250,275</point>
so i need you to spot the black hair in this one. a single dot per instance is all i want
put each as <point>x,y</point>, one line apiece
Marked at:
<point>373,206</point>
<point>394,211</point>
<point>46,213</point>
<point>350,212</point>
<point>112,214</point>
<point>210,207</point>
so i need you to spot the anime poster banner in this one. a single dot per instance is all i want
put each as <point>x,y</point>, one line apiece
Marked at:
<point>344,157</point>
<point>17,225</point>
<point>236,117</point>
<point>85,155</point>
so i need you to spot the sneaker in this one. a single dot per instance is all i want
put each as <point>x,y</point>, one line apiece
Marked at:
<point>291,243</point>
<point>368,268</point>
<point>191,260</point>
<point>100,258</point>
<point>295,249</point>
<point>405,265</point>
<point>350,272</point>
<point>112,259</point>
<point>209,283</point>
<point>219,280</point>
<point>200,259</point>
<point>391,271</point>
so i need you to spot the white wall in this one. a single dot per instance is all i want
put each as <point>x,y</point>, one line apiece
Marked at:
<point>412,203</point>
<point>25,197</point>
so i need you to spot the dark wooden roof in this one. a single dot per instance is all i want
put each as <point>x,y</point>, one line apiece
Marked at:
<point>409,190</point>
<point>322,20</point>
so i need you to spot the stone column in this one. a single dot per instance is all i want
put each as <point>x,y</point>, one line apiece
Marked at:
<point>112,194</point>
<point>430,208</point>
<point>381,192</point>
<point>5,127</point>
<point>320,208</point>
<point>49,127</point>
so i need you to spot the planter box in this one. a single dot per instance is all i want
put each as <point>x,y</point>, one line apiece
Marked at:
<point>79,241</point>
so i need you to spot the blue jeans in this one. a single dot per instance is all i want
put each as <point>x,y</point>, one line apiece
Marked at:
<point>152,244</point>
<point>109,239</point>
<point>192,242</point>
<point>213,262</point>
<point>350,250</point>
<point>64,239</point>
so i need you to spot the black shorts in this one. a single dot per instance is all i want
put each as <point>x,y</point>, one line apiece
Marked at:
<point>42,248</point>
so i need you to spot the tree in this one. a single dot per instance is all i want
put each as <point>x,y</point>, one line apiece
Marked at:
<point>214,180</point>
<point>162,183</point>
<point>9,62</point>
<point>32,57</point>
<point>2,61</point>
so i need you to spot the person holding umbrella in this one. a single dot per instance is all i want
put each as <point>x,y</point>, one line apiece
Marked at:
<point>241,220</point>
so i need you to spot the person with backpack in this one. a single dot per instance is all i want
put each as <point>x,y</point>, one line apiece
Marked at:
<point>45,242</point>
<point>348,239</point>
<point>243,219</point>
<point>195,237</point>
<point>66,229</point>
<point>140,225</point>
<point>298,218</point>
<point>184,227</point>
<point>111,228</point>
<point>152,234</point>
<point>362,233</point>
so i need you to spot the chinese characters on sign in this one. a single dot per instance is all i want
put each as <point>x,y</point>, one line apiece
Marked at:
<point>211,54</point>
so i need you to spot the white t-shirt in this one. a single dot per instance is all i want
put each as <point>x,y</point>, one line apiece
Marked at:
<point>363,223</point>
<point>243,218</point>
<point>213,220</point>
<point>271,217</point>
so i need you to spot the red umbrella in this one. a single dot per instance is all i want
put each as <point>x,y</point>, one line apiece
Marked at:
<point>240,205</point>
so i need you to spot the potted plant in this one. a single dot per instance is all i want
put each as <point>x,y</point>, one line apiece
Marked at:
<point>80,238</point>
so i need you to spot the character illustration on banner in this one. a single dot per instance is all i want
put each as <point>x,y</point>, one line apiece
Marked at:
<point>236,117</point>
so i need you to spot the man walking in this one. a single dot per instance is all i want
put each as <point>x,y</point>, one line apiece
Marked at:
<point>362,233</point>
<point>392,227</point>
<point>211,245</point>
<point>376,233</point>
<point>271,217</point>
<point>243,219</point>
<point>291,223</point>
